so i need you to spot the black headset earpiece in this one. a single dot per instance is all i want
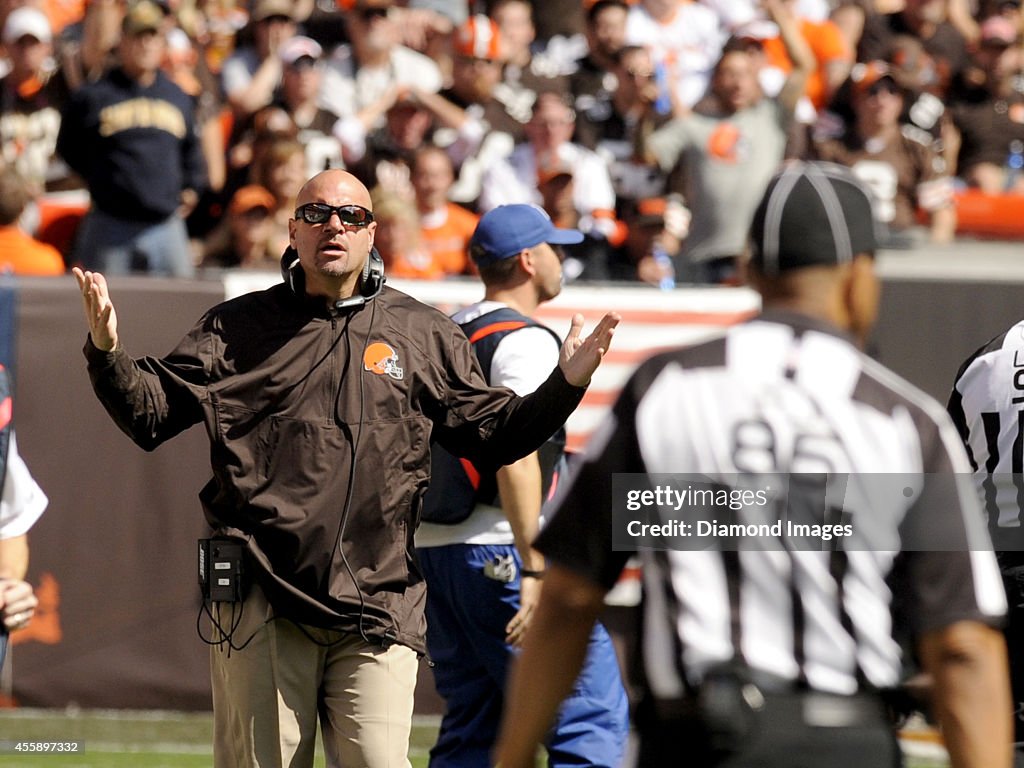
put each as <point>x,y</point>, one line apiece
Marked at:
<point>373,275</point>
<point>292,273</point>
<point>371,282</point>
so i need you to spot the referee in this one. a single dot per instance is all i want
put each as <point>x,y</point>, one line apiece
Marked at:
<point>987,406</point>
<point>775,655</point>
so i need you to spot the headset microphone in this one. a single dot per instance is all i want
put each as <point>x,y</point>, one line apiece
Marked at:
<point>351,301</point>
<point>371,282</point>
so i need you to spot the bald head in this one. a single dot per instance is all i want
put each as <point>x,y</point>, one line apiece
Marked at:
<point>335,187</point>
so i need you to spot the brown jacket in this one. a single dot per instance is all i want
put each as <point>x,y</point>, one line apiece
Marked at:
<point>320,426</point>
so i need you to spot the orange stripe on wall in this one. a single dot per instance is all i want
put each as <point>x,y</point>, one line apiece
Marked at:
<point>600,397</point>
<point>622,356</point>
<point>655,317</point>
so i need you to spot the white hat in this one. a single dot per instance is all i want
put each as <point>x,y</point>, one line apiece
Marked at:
<point>297,47</point>
<point>22,22</point>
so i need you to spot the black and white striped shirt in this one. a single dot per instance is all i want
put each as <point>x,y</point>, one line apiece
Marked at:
<point>784,394</point>
<point>987,406</point>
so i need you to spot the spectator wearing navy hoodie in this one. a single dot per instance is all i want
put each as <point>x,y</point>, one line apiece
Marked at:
<point>131,135</point>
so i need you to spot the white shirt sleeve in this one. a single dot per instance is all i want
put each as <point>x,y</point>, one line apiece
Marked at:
<point>338,83</point>
<point>523,360</point>
<point>23,500</point>
<point>237,72</point>
<point>351,135</point>
<point>592,190</point>
<point>501,185</point>
<point>413,68</point>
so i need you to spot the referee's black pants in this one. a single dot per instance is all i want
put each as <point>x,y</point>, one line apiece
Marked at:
<point>791,730</point>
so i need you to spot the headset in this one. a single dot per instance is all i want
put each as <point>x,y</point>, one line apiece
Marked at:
<point>371,283</point>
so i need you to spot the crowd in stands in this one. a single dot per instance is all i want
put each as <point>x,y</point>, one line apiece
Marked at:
<point>186,127</point>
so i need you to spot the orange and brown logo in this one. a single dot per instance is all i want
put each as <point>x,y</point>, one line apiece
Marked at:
<point>727,144</point>
<point>382,360</point>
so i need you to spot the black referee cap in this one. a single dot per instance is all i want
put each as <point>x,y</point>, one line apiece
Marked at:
<point>811,214</point>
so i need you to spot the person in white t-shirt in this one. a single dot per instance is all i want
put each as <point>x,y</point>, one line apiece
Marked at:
<point>374,63</point>
<point>515,179</point>
<point>21,504</point>
<point>684,38</point>
<point>475,545</point>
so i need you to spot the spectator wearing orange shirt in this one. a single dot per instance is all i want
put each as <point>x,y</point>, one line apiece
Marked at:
<point>19,252</point>
<point>445,227</point>
<point>398,237</point>
<point>61,13</point>
<point>832,52</point>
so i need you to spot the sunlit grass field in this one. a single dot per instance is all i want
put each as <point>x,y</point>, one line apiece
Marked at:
<point>128,739</point>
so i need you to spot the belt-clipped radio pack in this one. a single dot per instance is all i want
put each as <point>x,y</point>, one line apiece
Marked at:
<point>220,569</point>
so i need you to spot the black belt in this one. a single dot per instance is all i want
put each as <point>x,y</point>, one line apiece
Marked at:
<point>764,692</point>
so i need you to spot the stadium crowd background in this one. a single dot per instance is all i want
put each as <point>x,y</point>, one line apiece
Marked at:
<point>446,108</point>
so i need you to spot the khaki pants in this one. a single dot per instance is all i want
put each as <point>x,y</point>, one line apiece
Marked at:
<point>269,696</point>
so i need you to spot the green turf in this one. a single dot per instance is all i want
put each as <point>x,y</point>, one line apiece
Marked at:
<point>126,739</point>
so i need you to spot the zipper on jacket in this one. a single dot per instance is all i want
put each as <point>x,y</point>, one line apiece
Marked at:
<point>333,384</point>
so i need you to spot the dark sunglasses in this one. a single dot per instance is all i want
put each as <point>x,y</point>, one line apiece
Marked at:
<point>302,64</point>
<point>882,86</point>
<point>320,213</point>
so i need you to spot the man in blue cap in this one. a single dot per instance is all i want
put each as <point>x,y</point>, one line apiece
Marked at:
<point>475,542</point>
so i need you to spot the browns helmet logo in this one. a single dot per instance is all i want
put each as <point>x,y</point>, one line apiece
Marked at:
<point>727,144</point>
<point>382,360</point>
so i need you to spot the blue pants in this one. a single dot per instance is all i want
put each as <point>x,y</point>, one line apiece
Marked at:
<point>467,612</point>
<point>118,247</point>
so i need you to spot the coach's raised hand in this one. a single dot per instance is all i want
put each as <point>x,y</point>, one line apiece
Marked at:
<point>99,310</point>
<point>580,357</point>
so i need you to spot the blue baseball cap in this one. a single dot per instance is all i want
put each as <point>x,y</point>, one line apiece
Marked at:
<point>505,231</point>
